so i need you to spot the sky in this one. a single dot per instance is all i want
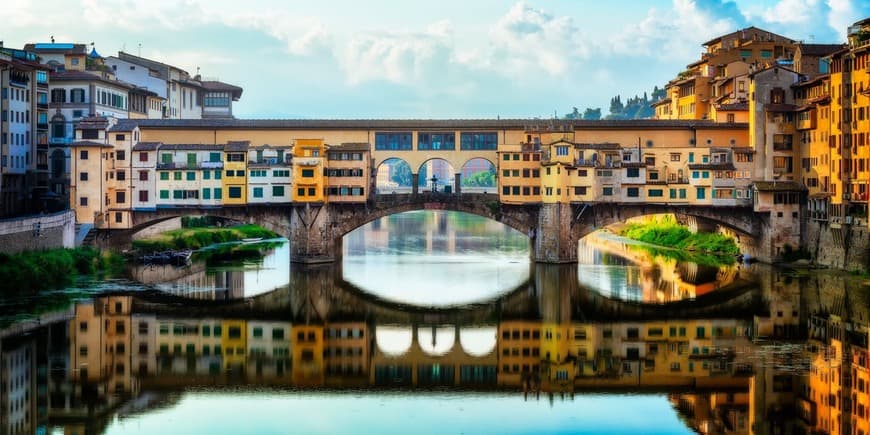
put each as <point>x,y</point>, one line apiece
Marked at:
<point>410,59</point>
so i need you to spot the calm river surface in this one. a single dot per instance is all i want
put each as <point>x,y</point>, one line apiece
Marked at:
<point>437,322</point>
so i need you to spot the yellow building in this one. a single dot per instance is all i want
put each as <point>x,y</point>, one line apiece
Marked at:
<point>309,179</point>
<point>234,342</point>
<point>308,358</point>
<point>234,181</point>
<point>519,351</point>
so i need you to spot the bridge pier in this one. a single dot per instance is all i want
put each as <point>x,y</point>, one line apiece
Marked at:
<point>554,240</point>
<point>456,183</point>
<point>415,184</point>
<point>311,235</point>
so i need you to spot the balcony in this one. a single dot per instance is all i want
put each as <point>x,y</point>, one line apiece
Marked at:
<point>678,180</point>
<point>270,162</point>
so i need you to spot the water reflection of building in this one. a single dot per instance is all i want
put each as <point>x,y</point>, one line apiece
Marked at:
<point>646,276</point>
<point>730,377</point>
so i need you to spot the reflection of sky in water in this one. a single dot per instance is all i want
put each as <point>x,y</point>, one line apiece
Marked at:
<point>400,413</point>
<point>272,273</point>
<point>436,258</point>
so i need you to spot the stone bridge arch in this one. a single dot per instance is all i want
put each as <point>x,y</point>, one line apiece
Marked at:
<point>323,228</point>
<point>561,226</point>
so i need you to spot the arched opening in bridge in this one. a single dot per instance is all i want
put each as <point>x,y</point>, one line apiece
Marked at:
<point>478,340</point>
<point>435,258</point>
<point>436,340</point>
<point>436,175</point>
<point>394,340</point>
<point>393,176</point>
<point>620,267</point>
<point>478,176</point>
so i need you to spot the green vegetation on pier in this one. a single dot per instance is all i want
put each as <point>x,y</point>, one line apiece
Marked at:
<point>667,232</point>
<point>32,271</point>
<point>199,237</point>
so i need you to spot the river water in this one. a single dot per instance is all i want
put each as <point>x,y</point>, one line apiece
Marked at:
<point>437,322</point>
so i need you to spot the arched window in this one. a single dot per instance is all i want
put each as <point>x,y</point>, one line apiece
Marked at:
<point>58,126</point>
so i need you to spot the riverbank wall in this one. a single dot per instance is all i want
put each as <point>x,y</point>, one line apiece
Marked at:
<point>838,246</point>
<point>33,233</point>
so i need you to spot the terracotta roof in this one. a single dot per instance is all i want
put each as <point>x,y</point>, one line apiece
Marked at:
<point>660,102</point>
<point>733,106</point>
<point>146,146</point>
<point>819,49</point>
<point>350,146</point>
<point>190,146</point>
<point>719,38</point>
<point>93,123</point>
<point>390,124</point>
<point>238,145</point>
<point>216,86</point>
<point>89,143</point>
<point>777,186</point>
<point>780,107</point>
<point>61,76</point>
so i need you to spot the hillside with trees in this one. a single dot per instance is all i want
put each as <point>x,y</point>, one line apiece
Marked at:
<point>637,107</point>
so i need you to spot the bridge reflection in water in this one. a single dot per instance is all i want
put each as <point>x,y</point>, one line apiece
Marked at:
<point>719,354</point>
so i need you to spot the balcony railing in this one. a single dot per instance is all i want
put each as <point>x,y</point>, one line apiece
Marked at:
<point>270,162</point>
<point>200,165</point>
<point>677,180</point>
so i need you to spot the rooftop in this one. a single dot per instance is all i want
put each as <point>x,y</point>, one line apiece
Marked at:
<point>411,124</point>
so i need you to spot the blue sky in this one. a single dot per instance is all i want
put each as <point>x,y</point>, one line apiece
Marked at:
<point>408,59</point>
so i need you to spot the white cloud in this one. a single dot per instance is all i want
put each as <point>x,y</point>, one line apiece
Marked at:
<point>403,57</point>
<point>791,11</point>
<point>532,41</point>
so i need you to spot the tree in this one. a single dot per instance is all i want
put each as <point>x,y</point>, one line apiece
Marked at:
<point>400,173</point>
<point>573,115</point>
<point>616,105</point>
<point>480,179</point>
<point>591,114</point>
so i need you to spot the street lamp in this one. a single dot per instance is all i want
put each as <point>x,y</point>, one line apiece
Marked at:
<point>434,181</point>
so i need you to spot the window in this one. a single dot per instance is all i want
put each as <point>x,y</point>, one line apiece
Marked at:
<point>191,176</point>
<point>258,192</point>
<point>561,150</point>
<point>217,174</point>
<point>176,176</point>
<point>675,157</point>
<point>164,175</point>
<point>393,141</point>
<point>120,197</point>
<point>277,190</point>
<point>436,141</point>
<point>143,196</point>
<point>258,332</point>
<point>655,193</point>
<point>308,173</point>
<point>83,201</point>
<point>235,157</point>
<point>700,193</point>
<point>83,155</point>
<point>121,175</point>
<point>479,141</point>
<point>217,193</point>
<point>632,172</point>
<point>83,176</point>
<point>633,192</point>
<point>206,193</point>
<point>607,191</point>
<point>235,192</point>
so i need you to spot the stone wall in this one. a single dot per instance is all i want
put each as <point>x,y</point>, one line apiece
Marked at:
<point>845,247</point>
<point>37,232</point>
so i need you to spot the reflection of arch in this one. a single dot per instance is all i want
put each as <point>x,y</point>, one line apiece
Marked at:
<point>478,341</point>
<point>58,163</point>
<point>436,341</point>
<point>393,340</point>
<point>442,170</point>
<point>393,175</point>
<point>478,174</point>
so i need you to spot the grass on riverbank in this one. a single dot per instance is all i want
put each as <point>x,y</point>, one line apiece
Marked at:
<point>198,237</point>
<point>54,268</point>
<point>666,232</point>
